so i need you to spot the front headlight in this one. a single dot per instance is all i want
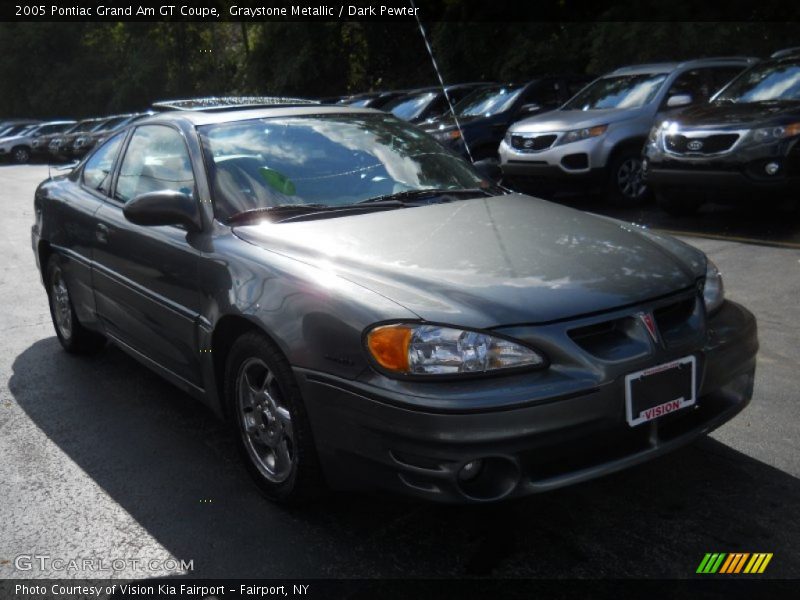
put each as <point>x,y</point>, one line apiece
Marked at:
<point>419,349</point>
<point>713,289</point>
<point>769,134</point>
<point>447,135</point>
<point>576,135</point>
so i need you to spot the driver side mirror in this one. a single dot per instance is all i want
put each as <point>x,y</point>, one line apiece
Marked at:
<point>679,100</point>
<point>165,207</point>
<point>533,107</point>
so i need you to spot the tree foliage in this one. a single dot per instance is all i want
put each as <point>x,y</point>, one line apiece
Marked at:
<point>86,69</point>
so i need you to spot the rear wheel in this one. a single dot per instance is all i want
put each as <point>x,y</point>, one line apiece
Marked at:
<point>73,336</point>
<point>626,185</point>
<point>676,202</point>
<point>20,155</point>
<point>270,422</point>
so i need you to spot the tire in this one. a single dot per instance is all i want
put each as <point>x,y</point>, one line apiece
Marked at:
<point>677,203</point>
<point>73,336</point>
<point>21,155</point>
<point>625,184</point>
<point>269,421</point>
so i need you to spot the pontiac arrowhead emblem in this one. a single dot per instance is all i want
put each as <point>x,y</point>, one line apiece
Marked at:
<point>650,324</point>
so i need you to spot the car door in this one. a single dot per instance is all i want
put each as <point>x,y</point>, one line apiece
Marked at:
<point>145,277</point>
<point>74,221</point>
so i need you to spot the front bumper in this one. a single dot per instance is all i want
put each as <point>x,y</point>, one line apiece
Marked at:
<point>370,439</point>
<point>740,172</point>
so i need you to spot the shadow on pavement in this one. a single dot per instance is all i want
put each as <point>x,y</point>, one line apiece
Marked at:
<point>158,453</point>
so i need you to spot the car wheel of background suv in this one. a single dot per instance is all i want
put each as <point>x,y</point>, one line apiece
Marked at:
<point>20,154</point>
<point>269,421</point>
<point>626,186</point>
<point>74,337</point>
<point>677,202</point>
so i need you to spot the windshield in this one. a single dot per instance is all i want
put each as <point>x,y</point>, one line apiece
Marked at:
<point>624,91</point>
<point>327,160</point>
<point>84,126</point>
<point>765,83</point>
<point>410,107</point>
<point>488,101</point>
<point>17,130</point>
<point>53,128</point>
<point>110,124</point>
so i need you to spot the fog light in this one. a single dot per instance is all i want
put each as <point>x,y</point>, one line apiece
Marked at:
<point>470,470</point>
<point>771,168</point>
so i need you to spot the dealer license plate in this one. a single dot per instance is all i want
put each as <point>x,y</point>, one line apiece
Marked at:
<point>660,390</point>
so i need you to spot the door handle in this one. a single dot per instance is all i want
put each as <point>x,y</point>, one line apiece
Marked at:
<point>101,233</point>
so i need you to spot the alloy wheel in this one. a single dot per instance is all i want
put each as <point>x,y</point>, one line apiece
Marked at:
<point>265,421</point>
<point>630,179</point>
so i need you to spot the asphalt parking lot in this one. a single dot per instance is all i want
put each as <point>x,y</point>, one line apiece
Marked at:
<point>100,458</point>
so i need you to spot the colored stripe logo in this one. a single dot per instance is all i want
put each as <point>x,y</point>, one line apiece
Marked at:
<point>734,562</point>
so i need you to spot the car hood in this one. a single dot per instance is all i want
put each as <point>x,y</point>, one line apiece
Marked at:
<point>725,115</point>
<point>565,120</point>
<point>488,262</point>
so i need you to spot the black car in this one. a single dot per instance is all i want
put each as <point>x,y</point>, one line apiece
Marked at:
<point>368,311</point>
<point>427,103</point>
<point>744,144</point>
<point>486,113</point>
<point>60,147</point>
<point>89,139</point>
<point>372,99</point>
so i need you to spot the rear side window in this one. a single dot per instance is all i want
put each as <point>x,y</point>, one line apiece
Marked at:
<point>97,172</point>
<point>156,160</point>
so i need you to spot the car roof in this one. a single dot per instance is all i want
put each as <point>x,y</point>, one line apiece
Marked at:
<point>199,118</point>
<point>228,102</point>
<point>668,67</point>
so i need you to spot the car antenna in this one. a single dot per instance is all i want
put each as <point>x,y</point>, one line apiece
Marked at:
<point>441,80</point>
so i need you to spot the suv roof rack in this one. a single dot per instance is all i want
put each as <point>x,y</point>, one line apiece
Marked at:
<point>786,52</point>
<point>229,102</point>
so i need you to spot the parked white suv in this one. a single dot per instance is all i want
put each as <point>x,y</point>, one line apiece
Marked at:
<point>18,147</point>
<point>597,137</point>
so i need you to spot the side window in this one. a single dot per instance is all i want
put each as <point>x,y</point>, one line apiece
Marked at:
<point>547,93</point>
<point>97,172</point>
<point>156,160</point>
<point>574,86</point>
<point>701,84</point>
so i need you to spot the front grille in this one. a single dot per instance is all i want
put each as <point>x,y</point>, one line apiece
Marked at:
<point>609,340</point>
<point>533,143</point>
<point>710,144</point>
<point>679,322</point>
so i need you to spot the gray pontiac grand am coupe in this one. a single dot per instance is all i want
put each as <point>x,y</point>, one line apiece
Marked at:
<point>368,311</point>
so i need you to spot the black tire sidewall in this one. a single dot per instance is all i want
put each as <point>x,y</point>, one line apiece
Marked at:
<point>54,265</point>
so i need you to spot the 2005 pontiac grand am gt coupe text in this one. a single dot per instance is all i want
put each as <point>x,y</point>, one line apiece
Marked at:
<point>369,312</point>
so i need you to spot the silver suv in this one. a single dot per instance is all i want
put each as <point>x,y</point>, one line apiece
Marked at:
<point>597,137</point>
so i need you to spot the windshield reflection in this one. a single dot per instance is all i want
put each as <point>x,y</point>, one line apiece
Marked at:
<point>331,160</point>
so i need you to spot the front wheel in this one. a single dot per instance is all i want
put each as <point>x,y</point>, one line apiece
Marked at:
<point>73,336</point>
<point>626,186</point>
<point>21,155</point>
<point>269,421</point>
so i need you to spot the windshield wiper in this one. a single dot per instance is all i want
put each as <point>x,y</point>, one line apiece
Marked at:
<point>280,208</point>
<point>411,195</point>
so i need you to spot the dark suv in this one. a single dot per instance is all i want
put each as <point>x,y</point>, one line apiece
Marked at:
<point>744,141</point>
<point>485,114</point>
